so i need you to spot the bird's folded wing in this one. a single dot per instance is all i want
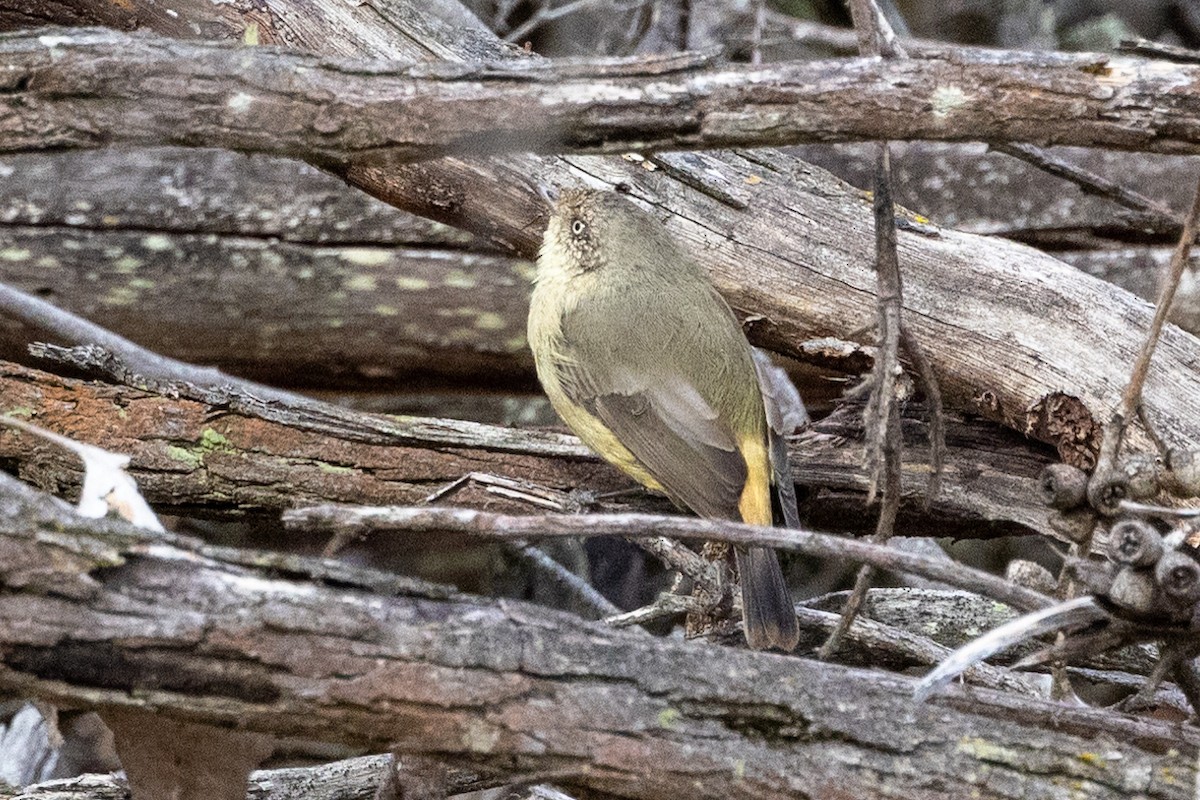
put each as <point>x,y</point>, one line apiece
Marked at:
<point>669,427</point>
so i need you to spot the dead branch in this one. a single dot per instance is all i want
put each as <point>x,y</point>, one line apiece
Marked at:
<point>633,716</point>
<point>466,521</point>
<point>350,315</point>
<point>801,295</point>
<point>350,779</point>
<point>364,294</point>
<point>92,87</point>
<point>218,454</point>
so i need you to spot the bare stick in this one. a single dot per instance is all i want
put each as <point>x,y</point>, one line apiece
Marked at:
<point>77,331</point>
<point>882,417</point>
<point>427,519</point>
<point>144,90</point>
<point>1131,398</point>
<point>1163,218</point>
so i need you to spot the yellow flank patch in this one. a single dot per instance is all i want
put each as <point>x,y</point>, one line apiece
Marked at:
<point>596,435</point>
<point>755,503</point>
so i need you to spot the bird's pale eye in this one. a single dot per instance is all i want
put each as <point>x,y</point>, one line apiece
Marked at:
<point>578,227</point>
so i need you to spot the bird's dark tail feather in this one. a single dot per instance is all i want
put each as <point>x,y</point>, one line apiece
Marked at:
<point>767,612</point>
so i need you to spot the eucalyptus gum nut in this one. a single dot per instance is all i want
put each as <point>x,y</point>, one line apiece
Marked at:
<point>1135,543</point>
<point>1063,487</point>
<point>1178,576</point>
<point>1105,494</point>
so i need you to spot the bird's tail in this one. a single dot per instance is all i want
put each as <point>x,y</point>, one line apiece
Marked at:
<point>767,612</point>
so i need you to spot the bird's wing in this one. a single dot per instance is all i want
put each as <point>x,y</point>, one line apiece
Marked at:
<point>670,429</point>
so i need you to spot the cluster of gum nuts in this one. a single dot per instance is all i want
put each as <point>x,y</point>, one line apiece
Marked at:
<point>1153,569</point>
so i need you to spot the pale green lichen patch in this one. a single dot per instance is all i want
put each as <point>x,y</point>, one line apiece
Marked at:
<point>459,279</point>
<point>411,284</point>
<point>479,737</point>
<point>48,262</point>
<point>516,343</point>
<point>191,458</point>
<point>15,254</point>
<point>156,242</point>
<point>24,412</point>
<point>360,283</point>
<point>127,264</point>
<point>141,283</point>
<point>526,270</point>
<point>667,718</point>
<point>984,750</point>
<point>387,311</point>
<point>334,469</point>
<point>365,256</point>
<point>489,321</point>
<point>211,440</point>
<point>120,296</point>
<point>945,100</point>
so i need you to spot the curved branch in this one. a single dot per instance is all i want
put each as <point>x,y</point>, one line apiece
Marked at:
<point>471,682</point>
<point>87,88</point>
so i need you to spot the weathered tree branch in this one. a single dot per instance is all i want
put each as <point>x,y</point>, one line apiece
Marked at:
<point>218,456</point>
<point>467,521</point>
<point>349,779</point>
<point>294,278</point>
<point>93,87</point>
<point>632,716</point>
<point>806,280</point>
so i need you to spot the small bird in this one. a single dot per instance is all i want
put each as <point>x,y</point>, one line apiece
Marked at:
<point>645,362</point>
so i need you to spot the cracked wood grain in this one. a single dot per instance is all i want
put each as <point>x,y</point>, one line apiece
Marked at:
<point>510,689</point>
<point>214,458</point>
<point>88,87</point>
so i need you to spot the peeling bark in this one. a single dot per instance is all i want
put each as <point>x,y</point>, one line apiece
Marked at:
<point>193,457</point>
<point>86,88</point>
<point>512,689</point>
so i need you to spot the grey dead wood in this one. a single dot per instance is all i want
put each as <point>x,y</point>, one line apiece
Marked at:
<point>87,87</point>
<point>282,273</point>
<point>349,779</point>
<point>211,454</point>
<point>968,187</point>
<point>368,316</point>
<point>450,520</point>
<point>792,252</point>
<point>632,716</point>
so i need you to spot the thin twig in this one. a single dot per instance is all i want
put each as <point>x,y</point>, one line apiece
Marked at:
<point>546,14</point>
<point>756,30</point>
<point>882,416</point>
<point>668,604</point>
<point>542,497</point>
<point>434,519</point>
<point>1131,398</point>
<point>76,330</point>
<point>877,637</point>
<point>1162,217</point>
<point>580,588</point>
<point>927,379</point>
<point>687,562</point>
